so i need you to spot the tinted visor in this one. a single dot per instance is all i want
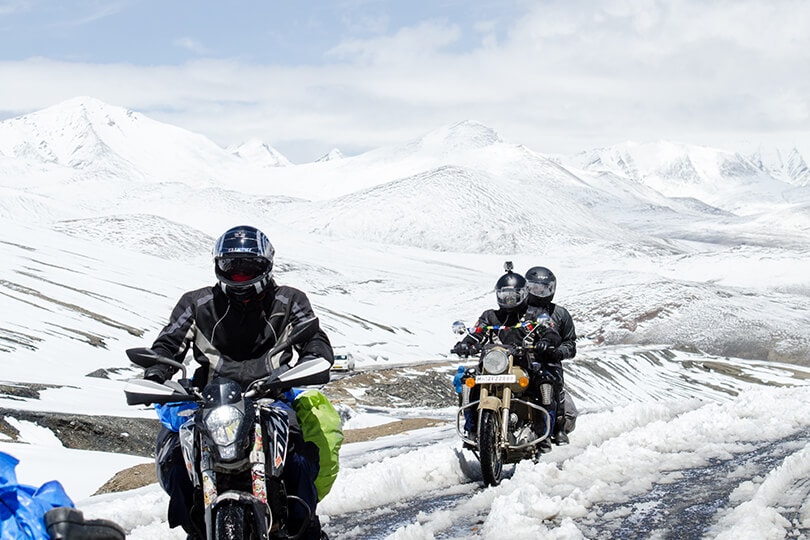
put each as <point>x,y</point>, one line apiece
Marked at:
<point>239,269</point>
<point>540,289</point>
<point>510,296</point>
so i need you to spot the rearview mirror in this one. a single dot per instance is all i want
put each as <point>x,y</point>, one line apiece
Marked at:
<point>459,328</point>
<point>543,320</point>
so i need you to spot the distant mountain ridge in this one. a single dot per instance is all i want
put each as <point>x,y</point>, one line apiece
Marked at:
<point>88,144</point>
<point>87,135</point>
<point>720,178</point>
<point>790,165</point>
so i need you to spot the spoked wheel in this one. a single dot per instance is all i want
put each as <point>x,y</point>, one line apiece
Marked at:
<point>489,445</point>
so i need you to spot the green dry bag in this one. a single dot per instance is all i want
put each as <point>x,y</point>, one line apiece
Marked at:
<point>320,424</point>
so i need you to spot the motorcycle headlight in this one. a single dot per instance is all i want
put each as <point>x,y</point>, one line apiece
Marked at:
<point>495,361</point>
<point>223,424</point>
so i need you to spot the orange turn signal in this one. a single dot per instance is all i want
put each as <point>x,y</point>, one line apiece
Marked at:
<point>470,381</point>
<point>523,382</point>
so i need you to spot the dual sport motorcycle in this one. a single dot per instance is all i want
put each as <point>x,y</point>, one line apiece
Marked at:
<point>235,443</point>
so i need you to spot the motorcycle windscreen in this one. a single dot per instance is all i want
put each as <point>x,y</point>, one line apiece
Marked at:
<point>221,391</point>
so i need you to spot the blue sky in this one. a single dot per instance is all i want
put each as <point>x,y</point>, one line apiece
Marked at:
<point>149,32</point>
<point>556,75</point>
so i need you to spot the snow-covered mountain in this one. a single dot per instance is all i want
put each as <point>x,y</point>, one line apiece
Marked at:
<point>97,140</point>
<point>331,155</point>
<point>788,165</point>
<point>672,224</point>
<point>721,178</point>
<point>259,152</point>
<point>450,208</point>
<point>105,148</point>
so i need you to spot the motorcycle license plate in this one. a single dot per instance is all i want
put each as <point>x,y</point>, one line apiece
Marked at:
<point>497,379</point>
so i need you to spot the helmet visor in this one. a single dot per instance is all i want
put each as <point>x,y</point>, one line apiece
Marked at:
<point>510,296</point>
<point>241,269</point>
<point>541,289</point>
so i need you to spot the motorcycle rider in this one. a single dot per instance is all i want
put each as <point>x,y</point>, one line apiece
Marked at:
<point>230,327</point>
<point>541,285</point>
<point>511,293</point>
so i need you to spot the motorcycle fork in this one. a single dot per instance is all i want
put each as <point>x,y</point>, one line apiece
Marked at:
<point>507,405</point>
<point>482,398</point>
<point>276,438</point>
<point>209,485</point>
<point>257,472</point>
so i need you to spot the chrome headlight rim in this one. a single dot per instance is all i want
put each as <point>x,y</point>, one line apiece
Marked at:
<point>495,361</point>
<point>222,424</point>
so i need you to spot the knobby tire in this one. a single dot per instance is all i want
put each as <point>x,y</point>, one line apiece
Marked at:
<point>229,523</point>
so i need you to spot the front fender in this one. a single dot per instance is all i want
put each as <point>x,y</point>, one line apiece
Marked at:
<point>490,402</point>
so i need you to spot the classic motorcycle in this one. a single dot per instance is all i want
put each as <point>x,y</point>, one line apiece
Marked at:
<point>235,443</point>
<point>498,418</point>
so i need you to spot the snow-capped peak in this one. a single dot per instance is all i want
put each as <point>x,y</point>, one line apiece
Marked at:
<point>721,178</point>
<point>789,166</point>
<point>259,153</point>
<point>71,133</point>
<point>93,139</point>
<point>332,155</point>
<point>465,135</point>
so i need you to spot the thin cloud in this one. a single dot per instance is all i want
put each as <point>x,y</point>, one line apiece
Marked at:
<point>366,24</point>
<point>405,45</point>
<point>192,45</point>
<point>96,13</point>
<point>8,7</point>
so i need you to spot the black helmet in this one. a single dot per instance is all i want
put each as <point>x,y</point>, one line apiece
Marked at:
<point>243,262</point>
<point>541,283</point>
<point>510,291</point>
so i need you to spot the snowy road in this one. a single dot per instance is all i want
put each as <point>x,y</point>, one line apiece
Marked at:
<point>730,462</point>
<point>663,471</point>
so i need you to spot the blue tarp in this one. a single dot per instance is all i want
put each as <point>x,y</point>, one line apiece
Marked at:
<point>174,415</point>
<point>22,508</point>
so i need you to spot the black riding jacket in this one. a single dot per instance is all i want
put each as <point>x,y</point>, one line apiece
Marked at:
<point>563,325</point>
<point>503,317</point>
<point>230,338</point>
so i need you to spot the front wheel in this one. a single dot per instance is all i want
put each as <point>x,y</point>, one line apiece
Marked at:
<point>489,437</point>
<point>229,522</point>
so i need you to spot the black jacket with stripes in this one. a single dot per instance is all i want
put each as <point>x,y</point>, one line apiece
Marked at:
<point>229,338</point>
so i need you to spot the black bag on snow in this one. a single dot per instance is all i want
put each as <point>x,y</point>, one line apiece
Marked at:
<point>69,524</point>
